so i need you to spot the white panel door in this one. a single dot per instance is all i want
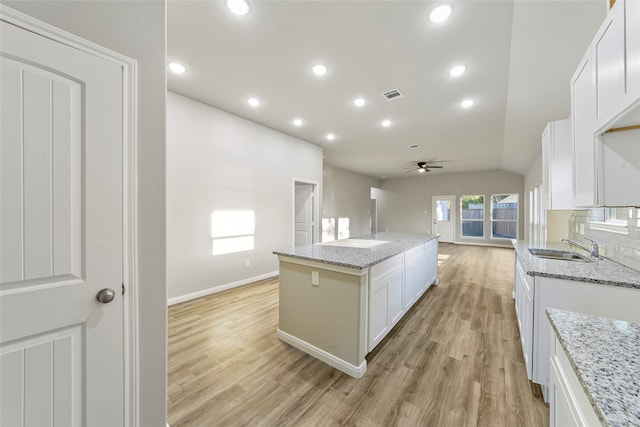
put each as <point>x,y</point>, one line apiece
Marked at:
<point>61,351</point>
<point>442,217</point>
<point>303,214</point>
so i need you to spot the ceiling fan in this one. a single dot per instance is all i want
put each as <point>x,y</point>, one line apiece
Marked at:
<point>423,167</point>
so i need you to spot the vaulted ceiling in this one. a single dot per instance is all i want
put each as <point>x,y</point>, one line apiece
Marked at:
<point>519,56</point>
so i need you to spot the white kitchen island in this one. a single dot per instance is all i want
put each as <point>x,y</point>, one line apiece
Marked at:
<point>339,299</point>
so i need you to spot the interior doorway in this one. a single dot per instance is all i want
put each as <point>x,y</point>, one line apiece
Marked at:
<point>304,214</point>
<point>374,216</point>
<point>443,217</point>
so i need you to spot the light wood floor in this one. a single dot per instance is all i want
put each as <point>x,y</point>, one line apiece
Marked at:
<point>454,360</point>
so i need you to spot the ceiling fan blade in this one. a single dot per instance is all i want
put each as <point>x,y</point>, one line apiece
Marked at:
<point>434,167</point>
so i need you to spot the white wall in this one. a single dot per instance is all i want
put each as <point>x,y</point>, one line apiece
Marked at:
<point>218,161</point>
<point>404,204</point>
<point>137,30</point>
<point>347,194</point>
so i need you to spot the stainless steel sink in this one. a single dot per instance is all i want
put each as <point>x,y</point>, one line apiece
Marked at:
<point>558,254</point>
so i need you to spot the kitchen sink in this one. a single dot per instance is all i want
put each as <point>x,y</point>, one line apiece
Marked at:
<point>558,254</point>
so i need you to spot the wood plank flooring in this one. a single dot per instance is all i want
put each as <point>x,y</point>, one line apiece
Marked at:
<point>454,360</point>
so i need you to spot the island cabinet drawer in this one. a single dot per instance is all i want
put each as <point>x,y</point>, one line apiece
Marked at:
<point>386,267</point>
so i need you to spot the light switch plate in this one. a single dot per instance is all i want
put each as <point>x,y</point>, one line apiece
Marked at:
<point>315,278</point>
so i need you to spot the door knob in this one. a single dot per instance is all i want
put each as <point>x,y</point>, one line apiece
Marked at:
<point>106,295</point>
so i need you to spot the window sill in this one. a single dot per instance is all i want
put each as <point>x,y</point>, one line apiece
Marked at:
<point>609,227</point>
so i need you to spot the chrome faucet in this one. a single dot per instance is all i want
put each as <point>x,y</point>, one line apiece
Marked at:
<point>594,251</point>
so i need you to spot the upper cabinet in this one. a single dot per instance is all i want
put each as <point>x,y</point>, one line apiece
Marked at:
<point>607,53</point>
<point>582,129</point>
<point>557,155</point>
<point>605,94</point>
<point>632,44</point>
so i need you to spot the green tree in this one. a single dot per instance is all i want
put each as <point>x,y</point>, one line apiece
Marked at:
<point>471,200</point>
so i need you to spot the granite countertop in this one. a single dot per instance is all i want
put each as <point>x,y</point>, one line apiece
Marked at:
<point>602,271</point>
<point>359,258</point>
<point>605,355</point>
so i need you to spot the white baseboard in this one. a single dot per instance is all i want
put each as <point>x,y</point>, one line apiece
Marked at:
<point>328,358</point>
<point>216,289</point>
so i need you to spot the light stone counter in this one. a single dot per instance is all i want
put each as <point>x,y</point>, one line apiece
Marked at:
<point>602,271</point>
<point>356,257</point>
<point>605,355</point>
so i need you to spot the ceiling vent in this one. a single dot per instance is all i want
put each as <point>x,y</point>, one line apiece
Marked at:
<point>414,147</point>
<point>393,94</point>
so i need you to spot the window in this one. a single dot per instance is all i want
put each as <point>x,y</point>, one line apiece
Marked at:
<point>616,220</point>
<point>472,214</point>
<point>443,210</point>
<point>343,228</point>
<point>328,229</point>
<point>613,216</point>
<point>504,216</point>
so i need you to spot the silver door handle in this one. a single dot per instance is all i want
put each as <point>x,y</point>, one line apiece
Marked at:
<point>106,295</point>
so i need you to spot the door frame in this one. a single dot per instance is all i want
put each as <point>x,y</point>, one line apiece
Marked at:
<point>453,213</point>
<point>129,191</point>
<point>315,212</point>
<point>373,216</point>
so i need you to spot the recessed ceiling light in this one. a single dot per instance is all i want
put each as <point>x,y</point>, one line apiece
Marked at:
<point>177,68</point>
<point>319,70</point>
<point>440,13</point>
<point>359,102</point>
<point>386,123</point>
<point>297,122</point>
<point>254,102</point>
<point>331,136</point>
<point>238,7</point>
<point>458,70</point>
<point>467,103</point>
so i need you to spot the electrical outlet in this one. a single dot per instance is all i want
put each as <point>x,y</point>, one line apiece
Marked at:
<point>247,263</point>
<point>315,278</point>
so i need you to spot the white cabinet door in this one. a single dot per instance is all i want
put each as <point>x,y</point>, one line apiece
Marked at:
<point>385,298</point>
<point>378,312</point>
<point>395,304</point>
<point>561,410</point>
<point>608,65</point>
<point>61,351</point>
<point>524,313</point>
<point>621,168</point>
<point>409,294</point>
<point>632,44</point>
<point>385,305</point>
<point>431,263</point>
<point>557,165</point>
<point>568,403</point>
<point>583,128</point>
<point>412,261</point>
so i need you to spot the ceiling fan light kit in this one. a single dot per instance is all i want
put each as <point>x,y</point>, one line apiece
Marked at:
<point>423,167</point>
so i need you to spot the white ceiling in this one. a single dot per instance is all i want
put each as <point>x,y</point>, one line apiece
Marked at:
<point>520,55</point>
